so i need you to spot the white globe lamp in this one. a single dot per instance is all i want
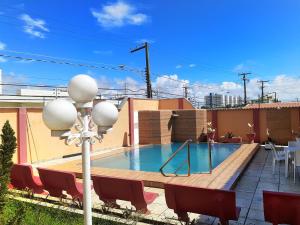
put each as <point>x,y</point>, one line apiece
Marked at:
<point>105,114</point>
<point>59,116</point>
<point>82,88</point>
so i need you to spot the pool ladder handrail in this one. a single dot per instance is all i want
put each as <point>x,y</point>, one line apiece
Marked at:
<point>186,143</point>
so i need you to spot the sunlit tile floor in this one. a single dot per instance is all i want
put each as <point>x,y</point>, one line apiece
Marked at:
<point>256,178</point>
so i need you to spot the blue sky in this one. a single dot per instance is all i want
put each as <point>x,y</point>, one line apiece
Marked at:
<point>206,42</point>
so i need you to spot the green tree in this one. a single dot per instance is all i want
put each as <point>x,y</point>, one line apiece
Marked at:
<point>7,149</point>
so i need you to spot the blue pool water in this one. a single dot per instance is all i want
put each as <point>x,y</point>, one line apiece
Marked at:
<point>151,158</point>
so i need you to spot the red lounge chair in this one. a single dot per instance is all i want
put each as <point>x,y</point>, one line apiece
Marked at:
<point>212,202</point>
<point>22,178</point>
<point>55,182</point>
<point>281,208</point>
<point>109,189</point>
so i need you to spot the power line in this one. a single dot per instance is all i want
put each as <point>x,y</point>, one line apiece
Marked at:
<point>53,60</point>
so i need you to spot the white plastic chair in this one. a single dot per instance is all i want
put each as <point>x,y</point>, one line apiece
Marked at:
<point>277,156</point>
<point>293,156</point>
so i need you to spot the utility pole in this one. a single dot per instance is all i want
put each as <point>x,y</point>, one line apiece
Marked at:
<point>211,100</point>
<point>262,82</point>
<point>185,88</point>
<point>148,80</point>
<point>125,88</point>
<point>245,79</point>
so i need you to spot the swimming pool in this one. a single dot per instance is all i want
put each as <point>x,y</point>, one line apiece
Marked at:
<point>150,158</point>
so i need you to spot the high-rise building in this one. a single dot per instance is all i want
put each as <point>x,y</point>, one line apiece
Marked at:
<point>214,100</point>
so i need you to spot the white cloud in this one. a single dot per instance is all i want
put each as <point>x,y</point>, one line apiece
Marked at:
<point>118,14</point>
<point>2,47</point>
<point>34,27</point>
<point>2,60</point>
<point>171,86</point>
<point>192,65</point>
<point>239,68</point>
<point>179,66</point>
<point>245,66</point>
<point>12,77</point>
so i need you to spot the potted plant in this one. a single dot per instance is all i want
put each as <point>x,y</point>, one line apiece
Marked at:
<point>251,134</point>
<point>229,137</point>
<point>210,132</point>
<point>296,135</point>
<point>269,140</point>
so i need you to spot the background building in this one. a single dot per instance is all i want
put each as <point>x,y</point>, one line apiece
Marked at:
<point>214,100</point>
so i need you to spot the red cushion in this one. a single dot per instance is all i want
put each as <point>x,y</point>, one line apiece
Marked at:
<point>38,181</point>
<point>150,197</point>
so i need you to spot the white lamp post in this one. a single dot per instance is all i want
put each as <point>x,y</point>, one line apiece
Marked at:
<point>60,116</point>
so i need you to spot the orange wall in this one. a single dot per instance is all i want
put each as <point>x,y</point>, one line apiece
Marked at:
<point>41,146</point>
<point>169,104</point>
<point>187,104</point>
<point>235,121</point>
<point>263,125</point>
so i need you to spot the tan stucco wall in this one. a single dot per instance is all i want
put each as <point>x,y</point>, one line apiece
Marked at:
<point>170,104</point>
<point>11,115</point>
<point>187,105</point>
<point>234,121</point>
<point>145,104</point>
<point>295,120</point>
<point>263,125</point>
<point>118,137</point>
<point>41,146</point>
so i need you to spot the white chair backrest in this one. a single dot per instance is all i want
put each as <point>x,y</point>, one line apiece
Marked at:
<point>274,151</point>
<point>293,143</point>
<point>297,157</point>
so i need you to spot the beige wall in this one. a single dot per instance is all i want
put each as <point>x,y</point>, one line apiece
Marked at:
<point>118,137</point>
<point>41,146</point>
<point>145,104</point>
<point>10,114</point>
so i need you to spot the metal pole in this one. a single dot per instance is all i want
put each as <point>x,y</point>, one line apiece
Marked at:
<point>209,156</point>
<point>244,78</point>
<point>189,160</point>
<point>87,199</point>
<point>148,80</point>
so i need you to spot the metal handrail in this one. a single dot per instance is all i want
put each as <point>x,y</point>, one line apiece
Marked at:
<point>187,142</point>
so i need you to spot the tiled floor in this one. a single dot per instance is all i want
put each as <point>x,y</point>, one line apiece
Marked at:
<point>257,177</point>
